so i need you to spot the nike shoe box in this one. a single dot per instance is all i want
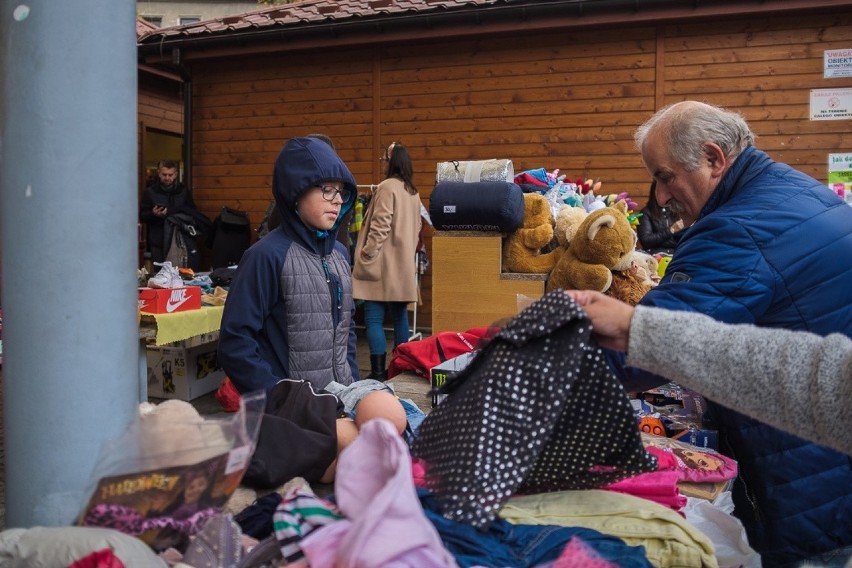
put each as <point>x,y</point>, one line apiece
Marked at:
<point>169,300</point>
<point>184,373</point>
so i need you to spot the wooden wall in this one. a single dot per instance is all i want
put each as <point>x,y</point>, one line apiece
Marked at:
<point>161,110</point>
<point>568,100</point>
<point>159,107</point>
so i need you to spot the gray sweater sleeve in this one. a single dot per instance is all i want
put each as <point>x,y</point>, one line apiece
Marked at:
<point>793,380</point>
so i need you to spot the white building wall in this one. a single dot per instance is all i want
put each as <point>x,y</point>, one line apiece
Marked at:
<point>172,11</point>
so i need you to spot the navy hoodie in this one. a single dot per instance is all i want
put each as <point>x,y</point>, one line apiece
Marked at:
<point>289,312</point>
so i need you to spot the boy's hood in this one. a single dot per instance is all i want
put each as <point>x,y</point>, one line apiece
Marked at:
<point>304,163</point>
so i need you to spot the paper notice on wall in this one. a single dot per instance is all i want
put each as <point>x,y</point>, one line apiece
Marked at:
<point>837,63</point>
<point>831,104</point>
<point>840,174</point>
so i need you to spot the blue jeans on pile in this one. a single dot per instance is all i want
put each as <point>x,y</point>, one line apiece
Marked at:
<point>522,546</point>
<point>374,317</point>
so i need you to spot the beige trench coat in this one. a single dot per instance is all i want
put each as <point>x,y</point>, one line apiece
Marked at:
<point>389,238</point>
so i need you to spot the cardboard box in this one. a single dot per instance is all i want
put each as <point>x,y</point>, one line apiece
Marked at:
<point>184,373</point>
<point>439,374</point>
<point>169,300</point>
<point>682,413</point>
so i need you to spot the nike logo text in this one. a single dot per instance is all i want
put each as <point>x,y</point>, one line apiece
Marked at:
<point>176,300</point>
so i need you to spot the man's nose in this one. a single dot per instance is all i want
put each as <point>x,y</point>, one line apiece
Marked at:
<point>663,194</point>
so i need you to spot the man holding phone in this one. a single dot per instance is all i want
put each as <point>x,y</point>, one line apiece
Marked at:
<point>165,198</point>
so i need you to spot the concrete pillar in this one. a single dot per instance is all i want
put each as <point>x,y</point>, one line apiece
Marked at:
<point>68,211</point>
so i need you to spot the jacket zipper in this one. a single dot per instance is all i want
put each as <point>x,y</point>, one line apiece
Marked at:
<point>747,491</point>
<point>333,319</point>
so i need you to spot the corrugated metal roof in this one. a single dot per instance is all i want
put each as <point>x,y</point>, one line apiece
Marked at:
<point>312,11</point>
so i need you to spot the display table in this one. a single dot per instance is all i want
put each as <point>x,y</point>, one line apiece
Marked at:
<point>168,328</point>
<point>162,329</point>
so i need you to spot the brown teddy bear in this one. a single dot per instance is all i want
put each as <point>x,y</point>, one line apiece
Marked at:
<point>522,249</point>
<point>604,241</point>
<point>633,277</point>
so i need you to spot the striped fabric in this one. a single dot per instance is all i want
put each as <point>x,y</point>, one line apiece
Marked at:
<point>299,514</point>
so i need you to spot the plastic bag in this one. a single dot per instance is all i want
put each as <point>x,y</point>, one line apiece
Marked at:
<point>475,170</point>
<point>171,470</point>
<point>562,194</point>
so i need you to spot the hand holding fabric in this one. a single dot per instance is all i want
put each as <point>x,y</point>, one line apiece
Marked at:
<point>610,317</point>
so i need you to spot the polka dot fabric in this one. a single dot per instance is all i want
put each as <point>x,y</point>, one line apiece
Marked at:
<point>537,410</point>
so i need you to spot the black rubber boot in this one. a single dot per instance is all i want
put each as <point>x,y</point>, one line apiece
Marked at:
<point>377,367</point>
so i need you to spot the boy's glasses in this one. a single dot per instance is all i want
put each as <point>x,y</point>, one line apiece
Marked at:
<point>329,191</point>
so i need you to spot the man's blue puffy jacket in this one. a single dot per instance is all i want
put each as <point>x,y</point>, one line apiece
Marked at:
<point>773,247</point>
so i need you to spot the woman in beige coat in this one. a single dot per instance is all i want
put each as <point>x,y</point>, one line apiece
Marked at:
<point>384,275</point>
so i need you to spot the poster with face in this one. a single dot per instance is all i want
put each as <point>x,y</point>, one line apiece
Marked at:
<point>693,464</point>
<point>163,507</point>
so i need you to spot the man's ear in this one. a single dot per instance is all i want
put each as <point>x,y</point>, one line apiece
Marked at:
<point>716,159</point>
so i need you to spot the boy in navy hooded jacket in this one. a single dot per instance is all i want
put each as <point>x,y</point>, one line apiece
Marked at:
<point>289,312</point>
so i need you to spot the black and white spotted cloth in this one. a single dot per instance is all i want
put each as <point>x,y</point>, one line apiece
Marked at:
<point>537,410</point>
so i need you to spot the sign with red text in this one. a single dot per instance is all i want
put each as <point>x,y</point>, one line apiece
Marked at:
<point>837,63</point>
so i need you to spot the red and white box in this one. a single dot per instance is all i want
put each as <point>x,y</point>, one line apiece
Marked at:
<point>169,300</point>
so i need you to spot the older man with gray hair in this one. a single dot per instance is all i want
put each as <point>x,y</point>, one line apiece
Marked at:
<point>771,246</point>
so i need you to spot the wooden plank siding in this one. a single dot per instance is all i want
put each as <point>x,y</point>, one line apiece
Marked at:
<point>566,100</point>
<point>159,107</point>
<point>160,112</point>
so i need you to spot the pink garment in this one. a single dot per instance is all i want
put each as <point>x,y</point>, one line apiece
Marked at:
<point>665,460</point>
<point>105,558</point>
<point>528,179</point>
<point>657,486</point>
<point>418,472</point>
<point>578,554</point>
<point>385,524</point>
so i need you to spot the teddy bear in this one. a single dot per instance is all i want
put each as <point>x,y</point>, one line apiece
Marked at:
<point>568,221</point>
<point>646,266</point>
<point>629,286</point>
<point>633,276</point>
<point>604,240</point>
<point>522,249</point>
